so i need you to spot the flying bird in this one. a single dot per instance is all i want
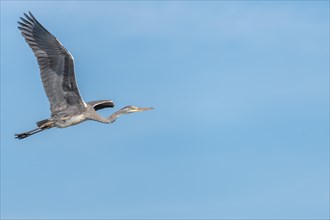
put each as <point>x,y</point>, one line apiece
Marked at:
<point>58,78</point>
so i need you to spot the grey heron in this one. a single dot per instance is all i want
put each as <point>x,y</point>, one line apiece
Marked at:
<point>58,78</point>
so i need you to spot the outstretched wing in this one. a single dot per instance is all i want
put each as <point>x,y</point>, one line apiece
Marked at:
<point>56,67</point>
<point>100,104</point>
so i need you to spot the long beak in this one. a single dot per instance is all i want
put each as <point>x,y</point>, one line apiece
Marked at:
<point>143,109</point>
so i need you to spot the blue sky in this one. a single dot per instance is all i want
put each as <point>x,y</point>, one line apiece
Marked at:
<point>241,120</point>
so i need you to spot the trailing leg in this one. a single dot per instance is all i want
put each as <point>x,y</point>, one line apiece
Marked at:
<point>42,125</point>
<point>28,133</point>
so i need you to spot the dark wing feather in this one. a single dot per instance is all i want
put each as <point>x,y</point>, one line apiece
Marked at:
<point>56,67</point>
<point>100,104</point>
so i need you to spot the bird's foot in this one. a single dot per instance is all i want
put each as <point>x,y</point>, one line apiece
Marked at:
<point>22,135</point>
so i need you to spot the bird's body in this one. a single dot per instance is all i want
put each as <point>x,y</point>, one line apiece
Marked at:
<point>67,121</point>
<point>57,73</point>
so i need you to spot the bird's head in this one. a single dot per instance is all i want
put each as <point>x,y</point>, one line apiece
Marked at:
<point>131,109</point>
<point>126,110</point>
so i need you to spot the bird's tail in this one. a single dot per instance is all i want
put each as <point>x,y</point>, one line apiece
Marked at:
<point>42,122</point>
<point>42,125</point>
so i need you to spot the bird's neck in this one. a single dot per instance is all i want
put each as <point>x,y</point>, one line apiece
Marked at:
<point>112,118</point>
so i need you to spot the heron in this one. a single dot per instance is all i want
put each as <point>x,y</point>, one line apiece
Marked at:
<point>57,73</point>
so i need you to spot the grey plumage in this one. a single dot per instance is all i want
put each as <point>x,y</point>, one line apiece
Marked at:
<point>56,67</point>
<point>58,77</point>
